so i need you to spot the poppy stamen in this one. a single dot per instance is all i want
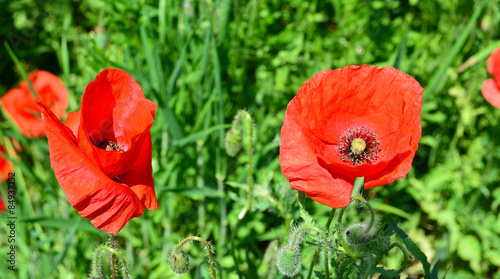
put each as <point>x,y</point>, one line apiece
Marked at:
<point>358,146</point>
<point>106,144</point>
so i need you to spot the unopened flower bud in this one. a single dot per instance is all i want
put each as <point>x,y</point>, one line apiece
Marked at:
<point>357,234</point>
<point>288,261</point>
<point>178,261</point>
<point>233,142</point>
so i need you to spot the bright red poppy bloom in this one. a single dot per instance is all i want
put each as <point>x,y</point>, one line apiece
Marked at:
<point>19,103</point>
<point>358,121</point>
<point>102,154</point>
<point>491,87</point>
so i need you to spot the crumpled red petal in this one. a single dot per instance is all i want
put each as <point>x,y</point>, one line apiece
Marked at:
<point>383,100</point>
<point>305,171</point>
<point>494,65</point>
<point>108,205</point>
<point>114,108</point>
<point>491,92</point>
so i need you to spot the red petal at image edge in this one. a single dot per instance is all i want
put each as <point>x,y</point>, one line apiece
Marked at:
<point>107,204</point>
<point>491,92</point>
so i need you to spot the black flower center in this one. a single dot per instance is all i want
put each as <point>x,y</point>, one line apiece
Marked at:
<point>106,144</point>
<point>358,146</point>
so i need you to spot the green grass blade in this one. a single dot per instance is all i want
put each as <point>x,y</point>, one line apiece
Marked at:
<point>438,76</point>
<point>23,73</point>
<point>201,134</point>
<point>402,48</point>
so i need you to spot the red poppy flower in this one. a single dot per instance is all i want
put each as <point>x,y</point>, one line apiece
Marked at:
<point>491,87</point>
<point>102,154</point>
<point>19,103</point>
<point>358,121</point>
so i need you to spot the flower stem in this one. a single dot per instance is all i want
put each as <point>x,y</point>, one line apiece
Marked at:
<point>325,246</point>
<point>207,246</point>
<point>372,212</point>
<point>358,186</point>
<point>112,245</point>
<point>96,265</point>
<point>405,254</point>
<point>315,256</point>
<point>246,115</point>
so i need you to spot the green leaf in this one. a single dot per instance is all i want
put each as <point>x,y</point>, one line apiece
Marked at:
<point>434,274</point>
<point>387,273</point>
<point>319,275</point>
<point>308,220</point>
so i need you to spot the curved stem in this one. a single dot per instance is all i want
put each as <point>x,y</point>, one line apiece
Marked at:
<point>405,254</point>
<point>207,246</point>
<point>372,212</point>
<point>315,256</point>
<point>245,209</point>
<point>96,264</point>
<point>296,234</point>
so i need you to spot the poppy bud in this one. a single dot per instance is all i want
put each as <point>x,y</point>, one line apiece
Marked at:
<point>357,234</point>
<point>288,261</point>
<point>178,261</point>
<point>233,142</point>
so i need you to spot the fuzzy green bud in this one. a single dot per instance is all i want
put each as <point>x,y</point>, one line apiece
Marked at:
<point>178,261</point>
<point>233,142</point>
<point>357,234</point>
<point>288,261</point>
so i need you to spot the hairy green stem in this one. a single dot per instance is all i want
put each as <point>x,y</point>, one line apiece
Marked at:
<point>372,212</point>
<point>207,246</point>
<point>405,254</point>
<point>316,252</point>
<point>339,220</point>
<point>96,265</point>
<point>325,241</point>
<point>113,257</point>
<point>245,209</point>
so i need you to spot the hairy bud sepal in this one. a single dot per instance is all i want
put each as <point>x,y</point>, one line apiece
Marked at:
<point>288,261</point>
<point>178,261</point>
<point>233,142</point>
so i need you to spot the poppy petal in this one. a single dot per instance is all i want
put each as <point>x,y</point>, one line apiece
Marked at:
<point>305,173</point>
<point>107,204</point>
<point>383,102</point>
<point>114,109</point>
<point>140,177</point>
<point>50,89</point>
<point>491,92</point>
<point>73,121</point>
<point>19,105</point>
<point>494,64</point>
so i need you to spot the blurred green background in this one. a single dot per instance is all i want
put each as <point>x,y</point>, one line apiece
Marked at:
<point>201,62</point>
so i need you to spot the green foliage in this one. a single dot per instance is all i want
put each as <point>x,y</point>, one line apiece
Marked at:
<point>201,62</point>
